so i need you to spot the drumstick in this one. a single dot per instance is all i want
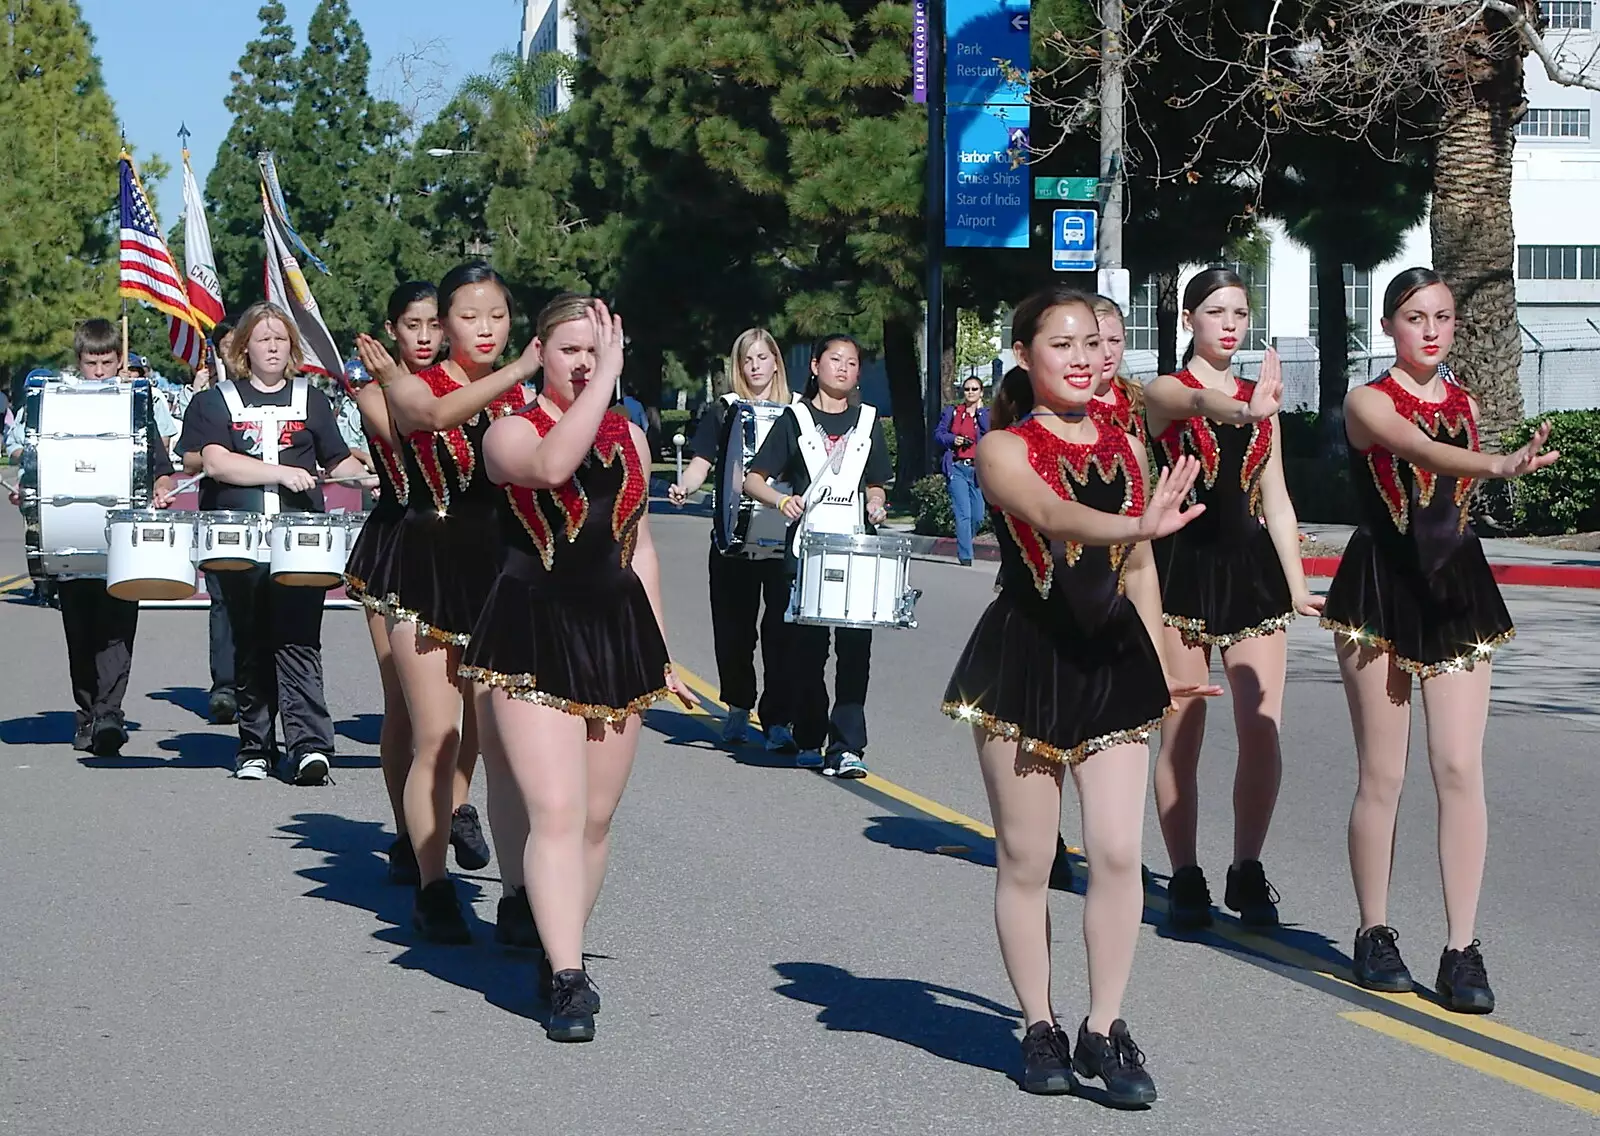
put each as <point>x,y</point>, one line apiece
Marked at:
<point>357,480</point>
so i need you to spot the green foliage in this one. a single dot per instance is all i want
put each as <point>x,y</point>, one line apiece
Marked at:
<point>891,439</point>
<point>1565,497</point>
<point>58,183</point>
<point>935,517</point>
<point>977,340</point>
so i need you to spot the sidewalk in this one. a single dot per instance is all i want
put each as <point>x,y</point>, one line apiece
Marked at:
<point>1514,562</point>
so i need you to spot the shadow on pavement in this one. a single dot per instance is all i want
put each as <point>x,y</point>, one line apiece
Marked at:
<point>354,874</point>
<point>52,727</point>
<point>697,732</point>
<point>192,751</point>
<point>363,728</point>
<point>953,1025</point>
<point>190,698</point>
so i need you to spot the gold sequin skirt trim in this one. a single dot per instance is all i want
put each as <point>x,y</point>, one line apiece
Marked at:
<point>523,688</point>
<point>1055,755</point>
<point>1465,661</point>
<point>1195,635</point>
<point>389,606</point>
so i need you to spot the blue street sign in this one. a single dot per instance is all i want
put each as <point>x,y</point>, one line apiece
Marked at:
<point>1072,240</point>
<point>986,177</point>
<point>986,51</point>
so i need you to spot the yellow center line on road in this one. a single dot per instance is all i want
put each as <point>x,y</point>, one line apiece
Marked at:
<point>1585,1065</point>
<point>14,583</point>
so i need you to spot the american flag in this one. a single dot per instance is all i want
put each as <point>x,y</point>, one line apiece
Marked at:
<point>148,272</point>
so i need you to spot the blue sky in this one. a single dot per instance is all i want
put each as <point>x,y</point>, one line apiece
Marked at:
<point>157,87</point>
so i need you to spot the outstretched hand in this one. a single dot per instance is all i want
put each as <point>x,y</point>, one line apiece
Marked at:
<point>1164,513</point>
<point>376,359</point>
<point>1529,459</point>
<point>1177,688</point>
<point>608,342</point>
<point>1267,397</point>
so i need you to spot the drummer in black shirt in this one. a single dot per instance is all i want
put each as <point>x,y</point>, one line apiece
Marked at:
<point>277,629</point>
<point>831,412</point>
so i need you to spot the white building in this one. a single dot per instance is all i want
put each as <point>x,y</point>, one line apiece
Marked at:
<point>1555,178</point>
<point>548,26</point>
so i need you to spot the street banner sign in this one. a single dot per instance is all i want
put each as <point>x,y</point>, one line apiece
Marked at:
<point>919,51</point>
<point>1072,240</point>
<point>986,177</point>
<point>987,54</point>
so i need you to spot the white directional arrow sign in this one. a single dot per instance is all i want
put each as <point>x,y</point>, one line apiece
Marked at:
<point>1019,22</point>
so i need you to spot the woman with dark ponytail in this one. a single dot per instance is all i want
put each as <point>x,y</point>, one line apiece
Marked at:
<point>1064,673</point>
<point>1414,596</point>
<point>443,565</point>
<point>413,324</point>
<point>1231,584</point>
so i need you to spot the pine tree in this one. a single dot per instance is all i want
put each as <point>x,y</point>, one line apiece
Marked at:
<point>58,182</point>
<point>263,92</point>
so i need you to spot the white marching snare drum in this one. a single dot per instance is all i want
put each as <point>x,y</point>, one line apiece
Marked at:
<point>85,452</point>
<point>231,541</point>
<point>151,554</point>
<point>742,526</point>
<point>308,550</point>
<point>353,524</point>
<point>855,580</point>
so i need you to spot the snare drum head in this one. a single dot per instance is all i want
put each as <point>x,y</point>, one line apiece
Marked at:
<point>306,521</point>
<point>231,517</point>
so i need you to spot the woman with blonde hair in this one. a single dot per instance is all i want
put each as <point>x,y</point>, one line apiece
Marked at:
<point>742,580</point>
<point>262,439</point>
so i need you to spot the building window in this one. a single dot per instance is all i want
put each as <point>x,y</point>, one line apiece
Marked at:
<point>1568,14</point>
<point>1255,284</point>
<point>1357,304</point>
<point>1558,262</point>
<point>1141,325</point>
<point>1554,124</point>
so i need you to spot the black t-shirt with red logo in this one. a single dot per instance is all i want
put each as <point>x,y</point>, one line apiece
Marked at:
<point>310,445</point>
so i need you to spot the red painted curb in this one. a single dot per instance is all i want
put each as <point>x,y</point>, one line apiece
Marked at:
<point>1323,567</point>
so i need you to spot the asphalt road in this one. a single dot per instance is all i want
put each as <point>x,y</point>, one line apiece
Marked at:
<point>184,953</point>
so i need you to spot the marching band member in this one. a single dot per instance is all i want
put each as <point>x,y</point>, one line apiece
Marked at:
<point>413,324</point>
<point>261,438</point>
<point>831,450</point>
<point>1064,671</point>
<point>1231,583</point>
<point>1414,596</point>
<point>223,704</point>
<point>443,562</point>
<point>571,646</point>
<point>99,627</point>
<point>739,583</point>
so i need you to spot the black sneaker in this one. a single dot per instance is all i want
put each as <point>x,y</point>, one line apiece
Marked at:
<point>573,1003</point>
<point>107,737</point>
<point>514,925</point>
<point>403,868</point>
<point>1046,1054</point>
<point>1463,984</point>
<point>1378,965</point>
<point>1249,893</point>
<point>466,837</point>
<point>437,915</point>
<point>1117,1061</point>
<point>222,708</point>
<point>1188,900</point>
<point>83,738</point>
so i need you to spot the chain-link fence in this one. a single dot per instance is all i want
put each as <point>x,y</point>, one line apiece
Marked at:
<point>1560,368</point>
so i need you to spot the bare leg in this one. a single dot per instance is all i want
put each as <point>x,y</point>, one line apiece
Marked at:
<point>1256,670</point>
<point>508,818</point>
<point>427,673</point>
<point>394,739</point>
<point>1025,804</point>
<point>1111,787</point>
<point>1177,790</point>
<point>1457,711</point>
<point>1379,696</point>
<point>610,761</point>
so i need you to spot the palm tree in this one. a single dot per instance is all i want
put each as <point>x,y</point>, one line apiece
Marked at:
<point>515,99</point>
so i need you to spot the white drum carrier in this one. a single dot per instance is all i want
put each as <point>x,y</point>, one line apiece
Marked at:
<point>85,452</point>
<point>846,578</point>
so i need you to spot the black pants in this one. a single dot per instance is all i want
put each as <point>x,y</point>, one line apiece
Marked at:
<point>846,726</point>
<point>277,639</point>
<point>221,637</point>
<point>100,630</point>
<point>739,585</point>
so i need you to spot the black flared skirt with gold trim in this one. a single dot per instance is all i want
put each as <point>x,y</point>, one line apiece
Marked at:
<point>1431,622</point>
<point>374,548</point>
<point>595,652</point>
<point>1062,694</point>
<point>439,570</point>
<point>1218,591</point>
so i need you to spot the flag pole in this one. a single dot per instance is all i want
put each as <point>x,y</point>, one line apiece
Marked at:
<point>124,334</point>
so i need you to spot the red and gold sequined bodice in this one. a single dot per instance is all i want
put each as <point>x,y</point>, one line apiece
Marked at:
<point>583,532</point>
<point>1406,501</point>
<point>1118,412</point>
<point>1232,461</point>
<point>450,462</point>
<point>390,466</point>
<point>1104,475</point>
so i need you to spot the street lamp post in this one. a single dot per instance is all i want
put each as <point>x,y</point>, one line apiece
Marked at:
<point>442,152</point>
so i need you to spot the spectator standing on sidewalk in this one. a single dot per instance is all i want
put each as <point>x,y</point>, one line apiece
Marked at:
<point>960,428</point>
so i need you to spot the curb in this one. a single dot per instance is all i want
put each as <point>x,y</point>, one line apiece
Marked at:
<point>1323,567</point>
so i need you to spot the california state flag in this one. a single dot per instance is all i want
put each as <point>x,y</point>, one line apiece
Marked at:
<point>205,291</point>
